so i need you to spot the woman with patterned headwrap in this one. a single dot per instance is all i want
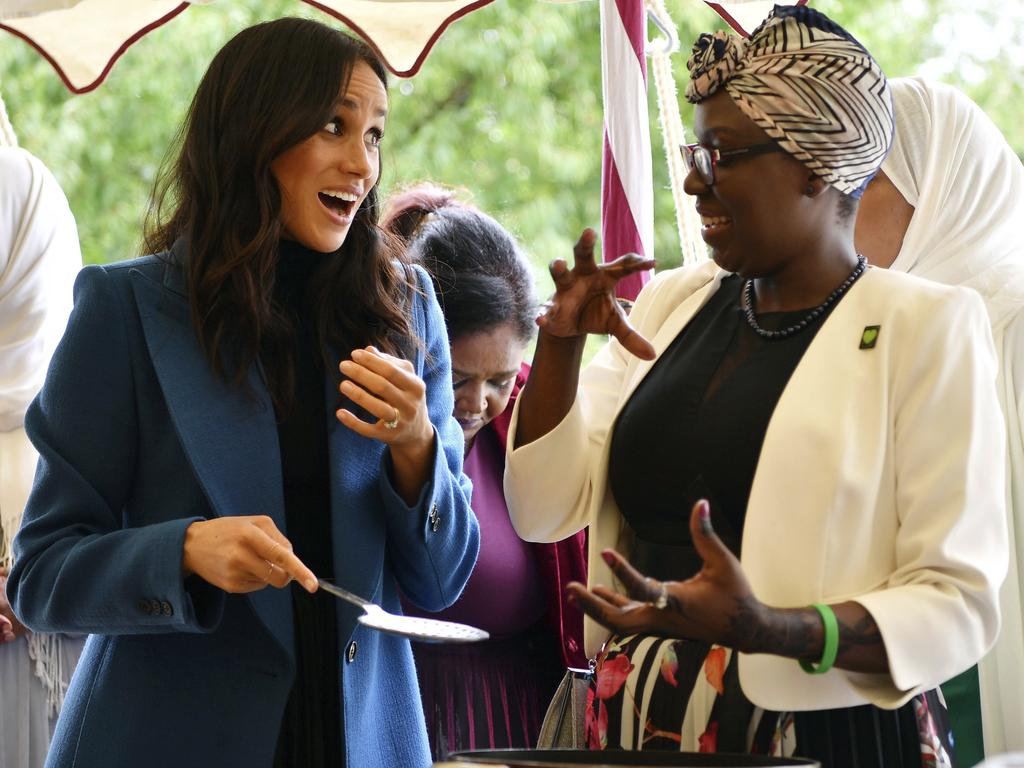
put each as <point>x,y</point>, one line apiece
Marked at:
<point>947,206</point>
<point>800,456</point>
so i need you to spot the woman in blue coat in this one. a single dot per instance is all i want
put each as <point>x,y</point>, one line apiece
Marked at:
<point>265,401</point>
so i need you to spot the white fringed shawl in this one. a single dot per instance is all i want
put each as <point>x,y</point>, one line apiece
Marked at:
<point>39,259</point>
<point>967,187</point>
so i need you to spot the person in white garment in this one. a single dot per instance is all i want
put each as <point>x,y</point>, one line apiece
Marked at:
<point>39,258</point>
<point>947,206</point>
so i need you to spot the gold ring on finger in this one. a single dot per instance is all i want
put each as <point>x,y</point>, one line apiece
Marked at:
<point>393,424</point>
<point>270,572</point>
<point>662,601</point>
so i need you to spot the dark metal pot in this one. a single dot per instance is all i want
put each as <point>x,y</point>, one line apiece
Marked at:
<point>567,758</point>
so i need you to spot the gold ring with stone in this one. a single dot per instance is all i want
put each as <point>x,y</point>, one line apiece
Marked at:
<point>661,601</point>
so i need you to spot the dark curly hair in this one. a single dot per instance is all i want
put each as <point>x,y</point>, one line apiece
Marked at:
<point>481,276</point>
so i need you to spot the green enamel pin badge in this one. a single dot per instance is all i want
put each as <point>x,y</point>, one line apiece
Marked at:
<point>869,338</point>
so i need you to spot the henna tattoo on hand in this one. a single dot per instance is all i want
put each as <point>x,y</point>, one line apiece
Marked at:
<point>675,604</point>
<point>860,633</point>
<point>746,630</point>
<point>801,634</point>
<point>793,632</point>
<point>798,633</point>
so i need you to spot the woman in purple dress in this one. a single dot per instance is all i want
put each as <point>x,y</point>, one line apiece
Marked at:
<point>493,694</point>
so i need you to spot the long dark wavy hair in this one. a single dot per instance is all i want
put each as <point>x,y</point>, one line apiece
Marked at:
<point>269,88</point>
<point>480,274</point>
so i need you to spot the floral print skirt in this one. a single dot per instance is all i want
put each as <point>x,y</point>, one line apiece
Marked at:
<point>653,693</point>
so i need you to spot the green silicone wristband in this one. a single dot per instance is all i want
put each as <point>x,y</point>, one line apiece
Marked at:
<point>831,649</point>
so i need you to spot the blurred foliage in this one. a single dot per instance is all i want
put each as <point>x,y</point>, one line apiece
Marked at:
<point>507,106</point>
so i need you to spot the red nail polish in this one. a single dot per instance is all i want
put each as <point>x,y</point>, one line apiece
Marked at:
<point>704,513</point>
<point>609,558</point>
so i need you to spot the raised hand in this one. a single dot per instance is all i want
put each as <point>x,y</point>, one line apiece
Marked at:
<point>584,300</point>
<point>387,387</point>
<point>242,554</point>
<point>716,606</point>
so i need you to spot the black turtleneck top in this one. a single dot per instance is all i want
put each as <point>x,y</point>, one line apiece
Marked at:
<point>311,730</point>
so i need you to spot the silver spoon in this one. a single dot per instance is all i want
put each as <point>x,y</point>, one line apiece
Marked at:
<point>412,627</point>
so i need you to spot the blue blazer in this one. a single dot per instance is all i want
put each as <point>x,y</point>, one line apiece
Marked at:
<point>138,439</point>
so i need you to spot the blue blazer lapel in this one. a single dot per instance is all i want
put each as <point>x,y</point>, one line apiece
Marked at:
<point>229,436</point>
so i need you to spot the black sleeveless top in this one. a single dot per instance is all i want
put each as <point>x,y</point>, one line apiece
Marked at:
<point>694,427</point>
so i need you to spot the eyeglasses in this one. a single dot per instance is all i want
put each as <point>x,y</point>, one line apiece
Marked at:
<point>706,160</point>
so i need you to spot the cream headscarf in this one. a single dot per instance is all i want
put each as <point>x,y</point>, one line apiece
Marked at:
<point>967,187</point>
<point>39,258</point>
<point>966,184</point>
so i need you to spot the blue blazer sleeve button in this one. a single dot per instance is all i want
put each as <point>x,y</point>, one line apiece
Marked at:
<point>351,653</point>
<point>166,609</point>
<point>144,606</point>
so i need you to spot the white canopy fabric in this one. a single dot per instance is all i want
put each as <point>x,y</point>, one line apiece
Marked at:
<point>83,38</point>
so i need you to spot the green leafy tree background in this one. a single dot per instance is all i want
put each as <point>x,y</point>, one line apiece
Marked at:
<point>508,106</point>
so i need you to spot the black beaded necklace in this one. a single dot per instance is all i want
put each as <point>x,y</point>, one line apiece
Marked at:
<point>748,305</point>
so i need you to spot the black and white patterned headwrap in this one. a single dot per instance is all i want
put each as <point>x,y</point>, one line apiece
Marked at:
<point>809,85</point>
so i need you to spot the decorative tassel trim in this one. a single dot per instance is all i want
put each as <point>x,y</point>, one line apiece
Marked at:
<point>47,652</point>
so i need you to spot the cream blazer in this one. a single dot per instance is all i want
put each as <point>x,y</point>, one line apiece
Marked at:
<point>880,480</point>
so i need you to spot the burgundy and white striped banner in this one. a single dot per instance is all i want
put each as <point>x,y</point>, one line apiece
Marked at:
<point>745,15</point>
<point>627,182</point>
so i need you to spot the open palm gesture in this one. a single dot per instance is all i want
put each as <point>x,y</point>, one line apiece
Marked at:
<point>716,605</point>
